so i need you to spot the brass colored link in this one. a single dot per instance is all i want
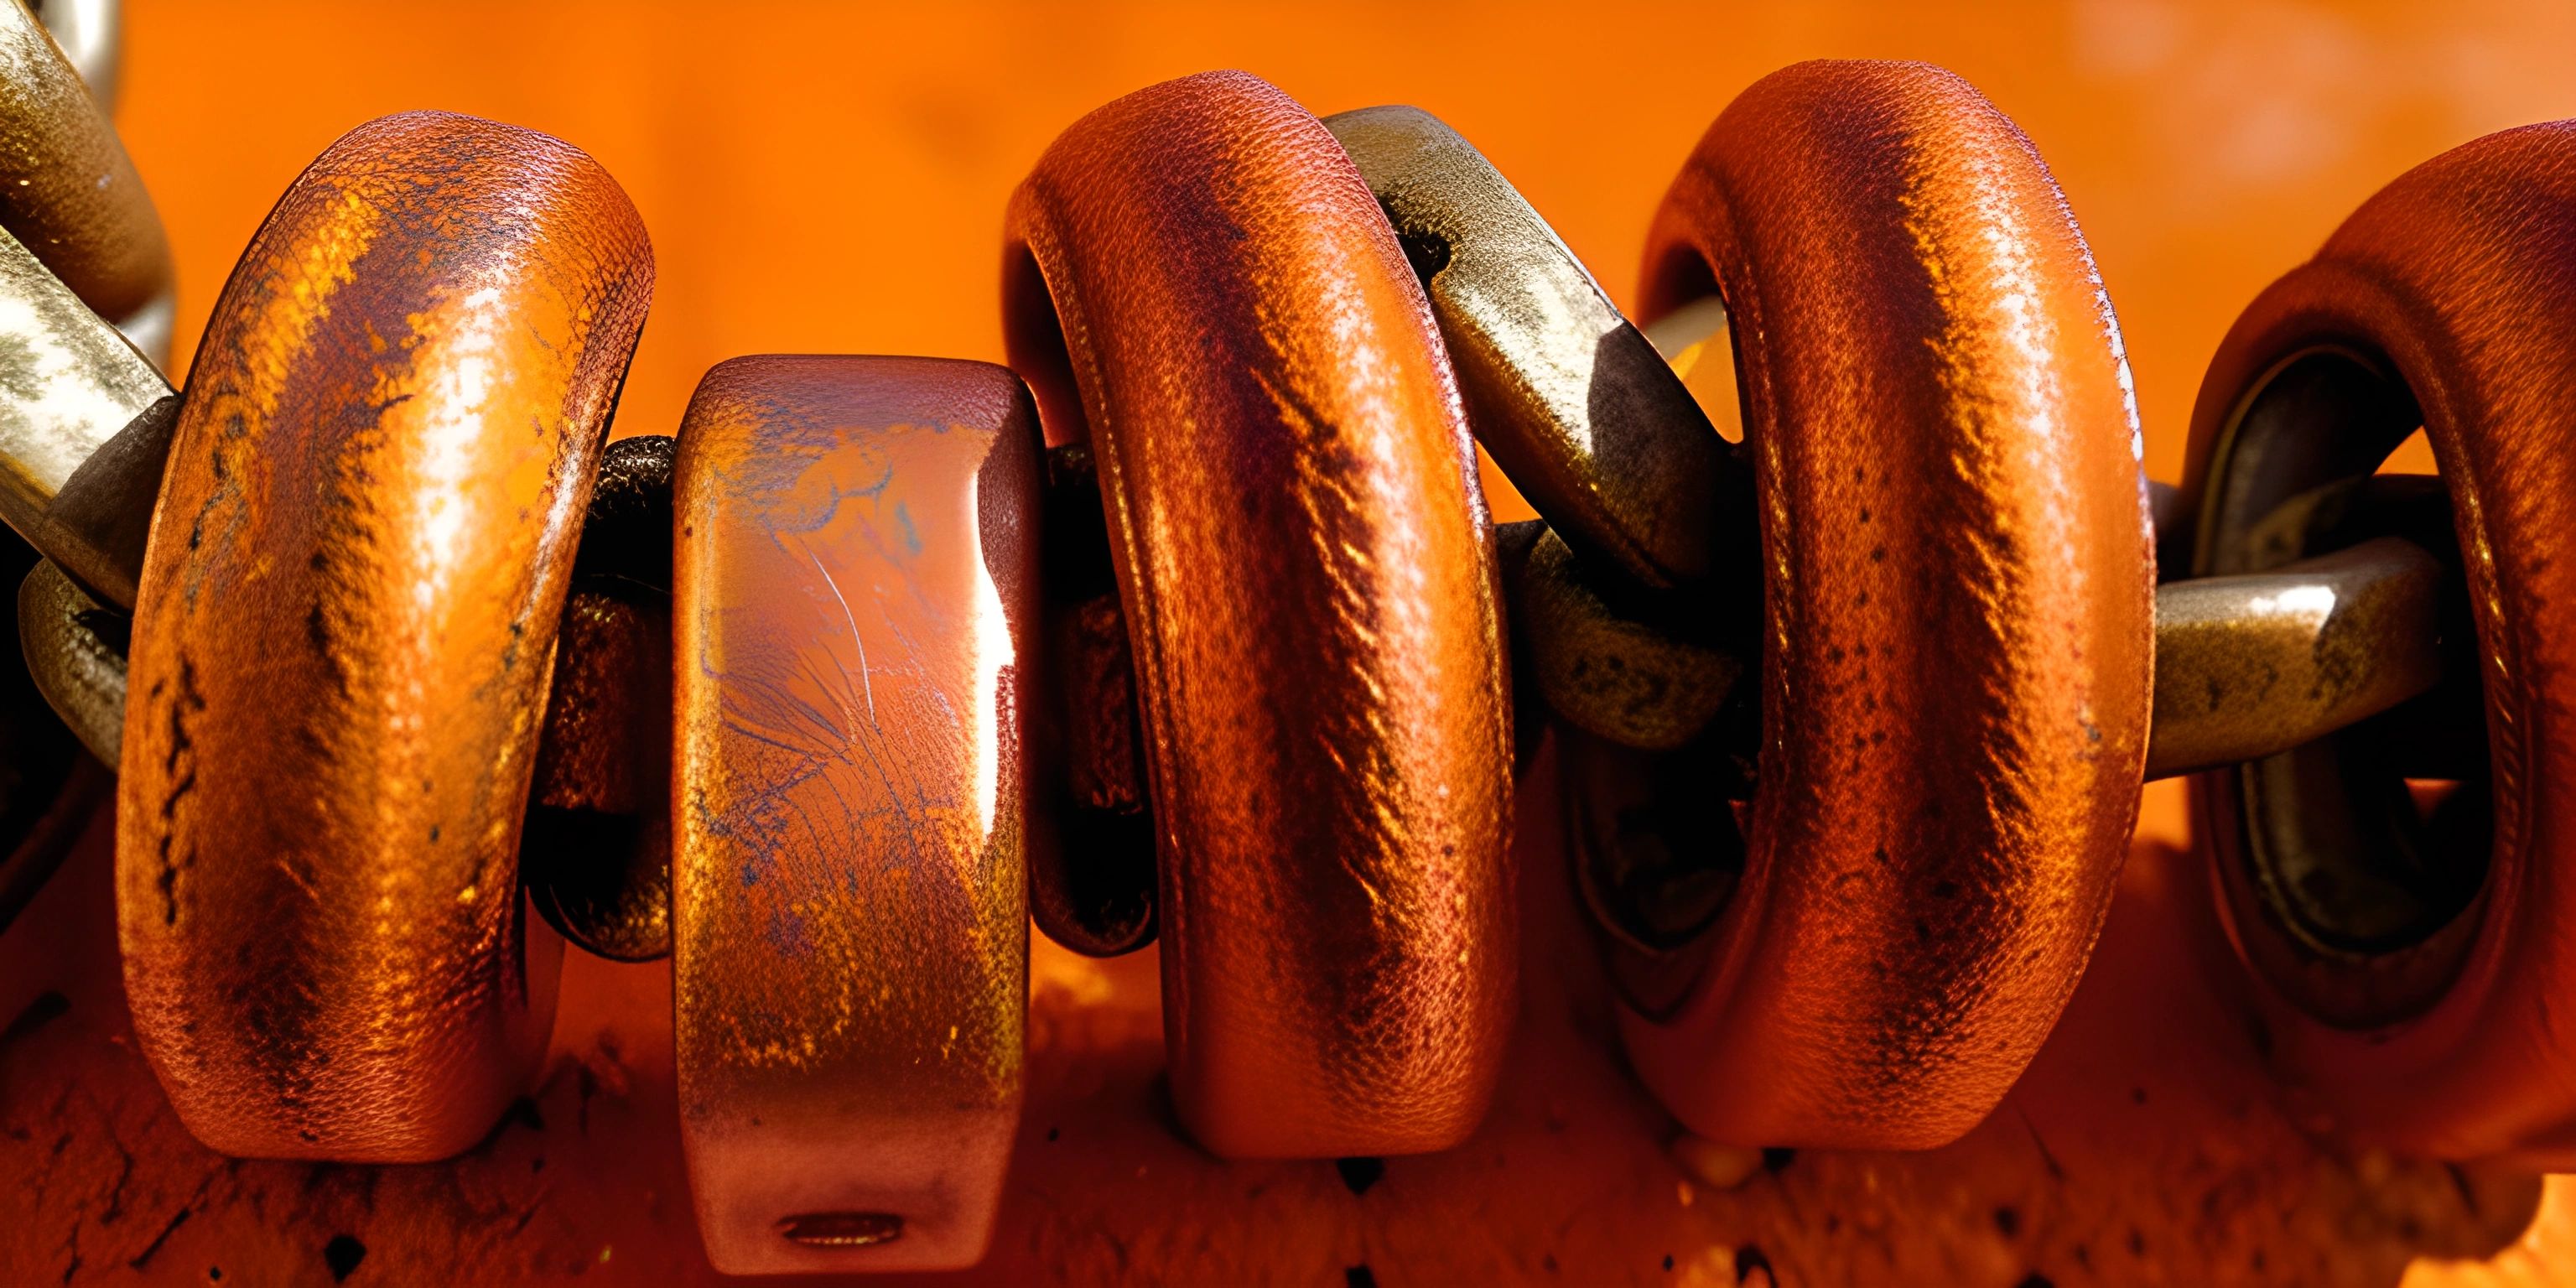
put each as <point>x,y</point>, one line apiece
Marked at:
<point>75,652</point>
<point>67,189</point>
<point>84,428</point>
<point>1571,401</point>
<point>1631,681</point>
<point>2250,665</point>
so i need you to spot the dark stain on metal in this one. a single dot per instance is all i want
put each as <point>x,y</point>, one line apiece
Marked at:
<point>342,1255</point>
<point>841,1229</point>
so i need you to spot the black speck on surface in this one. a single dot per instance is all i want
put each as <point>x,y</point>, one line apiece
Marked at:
<point>1052,1133</point>
<point>2007,1222</point>
<point>1359,1276</point>
<point>1668,1261</point>
<point>342,1254</point>
<point>2035,1280</point>
<point>1358,1174</point>
<point>1778,1160</point>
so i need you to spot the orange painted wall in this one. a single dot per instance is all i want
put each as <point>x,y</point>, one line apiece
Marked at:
<point>830,177</point>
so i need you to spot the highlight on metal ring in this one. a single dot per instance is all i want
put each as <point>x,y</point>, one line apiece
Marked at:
<point>344,970</point>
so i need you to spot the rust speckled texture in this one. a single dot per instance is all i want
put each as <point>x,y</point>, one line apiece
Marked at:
<point>342,640</point>
<point>2459,278</point>
<point>855,586</point>
<point>1959,604</point>
<point>67,189</point>
<point>1200,282</point>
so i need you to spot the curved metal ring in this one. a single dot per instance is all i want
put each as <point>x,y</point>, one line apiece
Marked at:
<point>856,592</point>
<point>69,192</point>
<point>1576,407</point>
<point>2413,970</point>
<point>1958,609</point>
<point>342,636</point>
<point>1201,286</point>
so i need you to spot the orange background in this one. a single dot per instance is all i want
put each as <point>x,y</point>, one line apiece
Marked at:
<point>830,178</point>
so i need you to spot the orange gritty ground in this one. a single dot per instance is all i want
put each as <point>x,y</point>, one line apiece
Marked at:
<point>2145,1146</point>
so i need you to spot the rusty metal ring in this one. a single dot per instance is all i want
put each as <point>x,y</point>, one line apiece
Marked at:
<point>1199,284</point>
<point>69,192</point>
<point>855,598</point>
<point>1958,608</point>
<point>342,635</point>
<point>2444,301</point>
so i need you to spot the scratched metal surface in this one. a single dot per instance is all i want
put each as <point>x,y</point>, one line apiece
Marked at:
<point>853,589</point>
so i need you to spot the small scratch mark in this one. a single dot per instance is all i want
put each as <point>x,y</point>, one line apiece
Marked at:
<point>866,685</point>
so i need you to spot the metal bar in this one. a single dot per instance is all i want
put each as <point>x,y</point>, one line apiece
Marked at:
<point>2248,666</point>
<point>85,423</point>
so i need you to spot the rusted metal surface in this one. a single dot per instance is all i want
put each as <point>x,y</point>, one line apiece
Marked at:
<point>1201,286</point>
<point>2147,1145</point>
<point>855,591</point>
<point>67,190</point>
<point>596,848</point>
<point>1573,404</point>
<point>2444,301</point>
<point>2253,664</point>
<point>1957,608</point>
<point>341,643</point>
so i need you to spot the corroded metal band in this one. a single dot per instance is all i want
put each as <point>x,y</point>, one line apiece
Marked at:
<point>2445,301</point>
<point>1201,284</point>
<point>1958,607</point>
<point>1572,402</point>
<point>341,642</point>
<point>67,189</point>
<point>856,592</point>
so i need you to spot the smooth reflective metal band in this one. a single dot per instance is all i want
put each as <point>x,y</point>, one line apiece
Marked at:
<point>1572,402</point>
<point>855,598</point>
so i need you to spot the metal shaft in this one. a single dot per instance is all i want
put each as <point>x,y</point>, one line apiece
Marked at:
<point>85,425</point>
<point>2251,665</point>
